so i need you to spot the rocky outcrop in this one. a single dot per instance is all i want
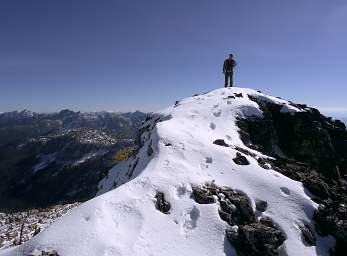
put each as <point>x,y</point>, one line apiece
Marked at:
<point>308,147</point>
<point>261,205</point>
<point>331,218</point>
<point>257,238</point>
<point>220,142</point>
<point>307,234</point>
<point>248,235</point>
<point>240,159</point>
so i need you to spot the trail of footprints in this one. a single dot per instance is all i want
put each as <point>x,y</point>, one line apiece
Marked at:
<point>191,215</point>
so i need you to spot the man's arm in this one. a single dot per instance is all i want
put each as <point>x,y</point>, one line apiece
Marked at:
<point>224,67</point>
<point>234,63</point>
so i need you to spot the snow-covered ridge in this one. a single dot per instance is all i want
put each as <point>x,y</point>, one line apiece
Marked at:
<point>178,153</point>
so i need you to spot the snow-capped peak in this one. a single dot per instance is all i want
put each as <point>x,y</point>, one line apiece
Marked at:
<point>185,146</point>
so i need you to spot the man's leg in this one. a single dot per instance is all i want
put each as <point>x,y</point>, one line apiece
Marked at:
<point>231,79</point>
<point>226,79</point>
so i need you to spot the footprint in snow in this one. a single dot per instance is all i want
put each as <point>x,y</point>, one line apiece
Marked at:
<point>212,126</point>
<point>191,217</point>
<point>215,106</point>
<point>217,114</point>
<point>86,218</point>
<point>276,174</point>
<point>228,137</point>
<point>209,160</point>
<point>228,102</point>
<point>285,191</point>
<point>182,190</point>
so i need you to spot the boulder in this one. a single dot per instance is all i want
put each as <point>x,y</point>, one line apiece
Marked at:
<point>161,204</point>
<point>261,205</point>
<point>308,235</point>
<point>255,239</point>
<point>220,142</point>
<point>240,159</point>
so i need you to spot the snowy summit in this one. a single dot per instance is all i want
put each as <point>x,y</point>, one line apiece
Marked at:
<point>192,188</point>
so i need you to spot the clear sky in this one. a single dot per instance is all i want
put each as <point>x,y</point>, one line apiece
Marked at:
<point>125,55</point>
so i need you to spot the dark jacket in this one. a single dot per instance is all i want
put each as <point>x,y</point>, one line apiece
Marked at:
<point>228,65</point>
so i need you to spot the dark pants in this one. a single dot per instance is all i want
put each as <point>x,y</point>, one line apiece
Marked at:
<point>228,75</point>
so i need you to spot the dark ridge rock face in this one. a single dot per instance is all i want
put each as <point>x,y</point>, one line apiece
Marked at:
<point>304,136</point>
<point>150,149</point>
<point>308,147</point>
<point>252,237</point>
<point>161,204</point>
<point>331,218</point>
<point>240,159</point>
<point>220,142</point>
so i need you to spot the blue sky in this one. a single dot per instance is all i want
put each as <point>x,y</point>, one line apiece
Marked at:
<point>125,55</point>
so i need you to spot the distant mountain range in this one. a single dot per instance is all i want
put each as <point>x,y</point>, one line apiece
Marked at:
<point>60,157</point>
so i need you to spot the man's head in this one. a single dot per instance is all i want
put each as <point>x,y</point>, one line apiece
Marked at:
<point>231,56</point>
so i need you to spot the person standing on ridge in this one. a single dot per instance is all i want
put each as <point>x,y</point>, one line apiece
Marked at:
<point>228,71</point>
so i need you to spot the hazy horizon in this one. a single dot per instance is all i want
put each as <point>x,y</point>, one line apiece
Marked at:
<point>338,115</point>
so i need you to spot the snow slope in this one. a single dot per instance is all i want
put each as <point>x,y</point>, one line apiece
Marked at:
<point>125,221</point>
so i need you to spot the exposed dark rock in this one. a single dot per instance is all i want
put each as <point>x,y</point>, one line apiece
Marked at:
<point>161,204</point>
<point>238,95</point>
<point>308,147</point>
<point>245,151</point>
<point>234,207</point>
<point>132,167</point>
<point>203,195</point>
<point>252,237</point>
<point>150,149</point>
<point>220,142</point>
<point>240,159</point>
<point>331,218</point>
<point>261,205</point>
<point>308,235</point>
<point>45,253</point>
<point>257,238</point>
<point>316,186</point>
<point>263,163</point>
<point>244,136</point>
<point>304,136</point>
<point>51,253</point>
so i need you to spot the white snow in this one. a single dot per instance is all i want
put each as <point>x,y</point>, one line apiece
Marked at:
<point>124,221</point>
